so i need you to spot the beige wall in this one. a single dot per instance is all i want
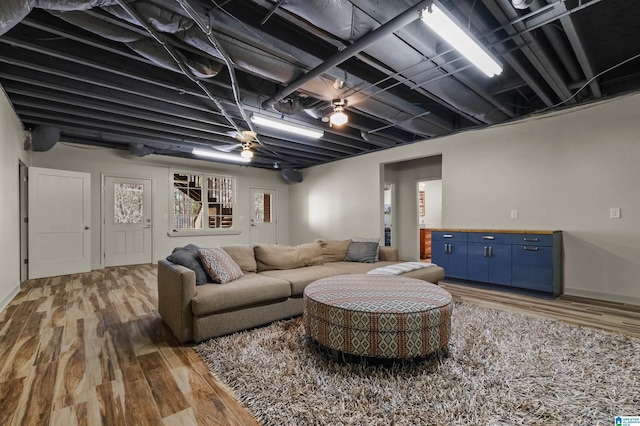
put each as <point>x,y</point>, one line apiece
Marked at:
<point>98,162</point>
<point>11,152</point>
<point>561,171</point>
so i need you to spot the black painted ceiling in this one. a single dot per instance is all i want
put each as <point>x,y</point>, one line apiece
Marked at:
<point>153,76</point>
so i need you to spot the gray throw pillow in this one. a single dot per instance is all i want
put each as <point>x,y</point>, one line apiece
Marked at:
<point>187,257</point>
<point>362,251</point>
<point>367,240</point>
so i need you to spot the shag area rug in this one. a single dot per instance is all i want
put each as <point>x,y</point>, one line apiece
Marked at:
<point>500,369</point>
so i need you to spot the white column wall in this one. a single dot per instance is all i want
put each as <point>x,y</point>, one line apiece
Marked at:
<point>561,171</point>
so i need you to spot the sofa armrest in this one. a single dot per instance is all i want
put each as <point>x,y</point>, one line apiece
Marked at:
<point>389,254</point>
<point>176,288</point>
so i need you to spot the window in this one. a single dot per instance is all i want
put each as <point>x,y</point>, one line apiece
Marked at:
<point>202,202</point>
<point>262,208</point>
<point>128,203</point>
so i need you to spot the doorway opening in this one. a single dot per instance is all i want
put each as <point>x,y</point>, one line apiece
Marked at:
<point>388,213</point>
<point>429,214</point>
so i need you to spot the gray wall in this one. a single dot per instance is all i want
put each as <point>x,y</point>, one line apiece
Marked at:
<point>11,152</point>
<point>99,161</point>
<point>561,171</point>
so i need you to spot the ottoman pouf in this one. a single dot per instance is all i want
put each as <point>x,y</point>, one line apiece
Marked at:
<point>378,315</point>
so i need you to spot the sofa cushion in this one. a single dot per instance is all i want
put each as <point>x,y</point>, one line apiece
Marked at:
<point>187,256</point>
<point>357,267</point>
<point>220,266</point>
<point>368,240</point>
<point>361,251</point>
<point>243,256</point>
<point>274,257</point>
<point>250,289</point>
<point>334,250</point>
<point>301,277</point>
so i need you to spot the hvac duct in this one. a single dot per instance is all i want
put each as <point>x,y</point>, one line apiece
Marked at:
<point>43,138</point>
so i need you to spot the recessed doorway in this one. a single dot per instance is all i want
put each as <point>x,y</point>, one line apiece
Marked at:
<point>429,214</point>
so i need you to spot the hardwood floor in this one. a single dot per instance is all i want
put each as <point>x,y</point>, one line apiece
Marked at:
<point>90,349</point>
<point>610,316</point>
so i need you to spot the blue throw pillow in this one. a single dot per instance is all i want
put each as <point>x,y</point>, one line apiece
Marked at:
<point>188,257</point>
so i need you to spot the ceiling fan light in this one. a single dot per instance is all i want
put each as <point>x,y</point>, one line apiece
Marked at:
<point>443,25</point>
<point>338,118</point>
<point>246,153</point>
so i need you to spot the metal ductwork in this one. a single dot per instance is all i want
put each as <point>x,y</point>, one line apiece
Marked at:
<point>140,149</point>
<point>43,138</point>
<point>162,76</point>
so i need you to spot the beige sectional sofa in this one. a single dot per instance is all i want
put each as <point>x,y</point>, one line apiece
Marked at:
<point>271,287</point>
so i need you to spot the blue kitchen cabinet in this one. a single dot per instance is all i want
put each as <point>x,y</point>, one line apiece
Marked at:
<point>537,262</point>
<point>449,250</point>
<point>530,260</point>
<point>489,257</point>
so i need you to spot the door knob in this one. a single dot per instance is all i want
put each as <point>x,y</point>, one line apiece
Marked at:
<point>86,227</point>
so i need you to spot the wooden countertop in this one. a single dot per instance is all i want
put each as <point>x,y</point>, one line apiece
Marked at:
<point>501,231</point>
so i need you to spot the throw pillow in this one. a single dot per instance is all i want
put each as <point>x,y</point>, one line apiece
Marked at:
<point>243,256</point>
<point>362,251</point>
<point>334,250</point>
<point>274,257</point>
<point>188,257</point>
<point>366,240</point>
<point>220,265</point>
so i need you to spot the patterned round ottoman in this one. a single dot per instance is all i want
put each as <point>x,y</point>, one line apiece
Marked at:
<point>378,315</point>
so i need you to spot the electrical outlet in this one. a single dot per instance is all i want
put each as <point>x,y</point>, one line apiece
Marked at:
<point>614,213</point>
<point>514,214</point>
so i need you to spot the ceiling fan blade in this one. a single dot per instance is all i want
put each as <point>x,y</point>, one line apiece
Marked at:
<point>227,148</point>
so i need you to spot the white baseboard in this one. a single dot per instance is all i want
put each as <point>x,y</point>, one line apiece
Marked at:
<point>618,298</point>
<point>5,302</point>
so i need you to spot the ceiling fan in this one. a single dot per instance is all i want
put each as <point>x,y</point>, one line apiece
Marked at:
<point>245,137</point>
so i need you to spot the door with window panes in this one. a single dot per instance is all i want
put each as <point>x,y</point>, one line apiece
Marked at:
<point>263,216</point>
<point>127,221</point>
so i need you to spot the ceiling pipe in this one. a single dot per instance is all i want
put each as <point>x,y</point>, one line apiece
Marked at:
<point>206,29</point>
<point>175,57</point>
<point>362,43</point>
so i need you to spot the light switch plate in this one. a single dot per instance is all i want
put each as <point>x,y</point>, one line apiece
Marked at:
<point>614,213</point>
<point>514,214</point>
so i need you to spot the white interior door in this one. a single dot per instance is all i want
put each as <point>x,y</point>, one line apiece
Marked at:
<point>59,222</point>
<point>127,221</point>
<point>263,216</point>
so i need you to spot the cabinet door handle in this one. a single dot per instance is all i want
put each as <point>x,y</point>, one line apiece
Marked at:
<point>485,251</point>
<point>450,249</point>
<point>488,237</point>
<point>530,248</point>
<point>447,236</point>
<point>490,251</point>
<point>446,248</point>
<point>533,240</point>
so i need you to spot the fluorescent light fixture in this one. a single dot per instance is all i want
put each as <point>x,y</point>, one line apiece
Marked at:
<point>443,25</point>
<point>219,155</point>
<point>261,120</point>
